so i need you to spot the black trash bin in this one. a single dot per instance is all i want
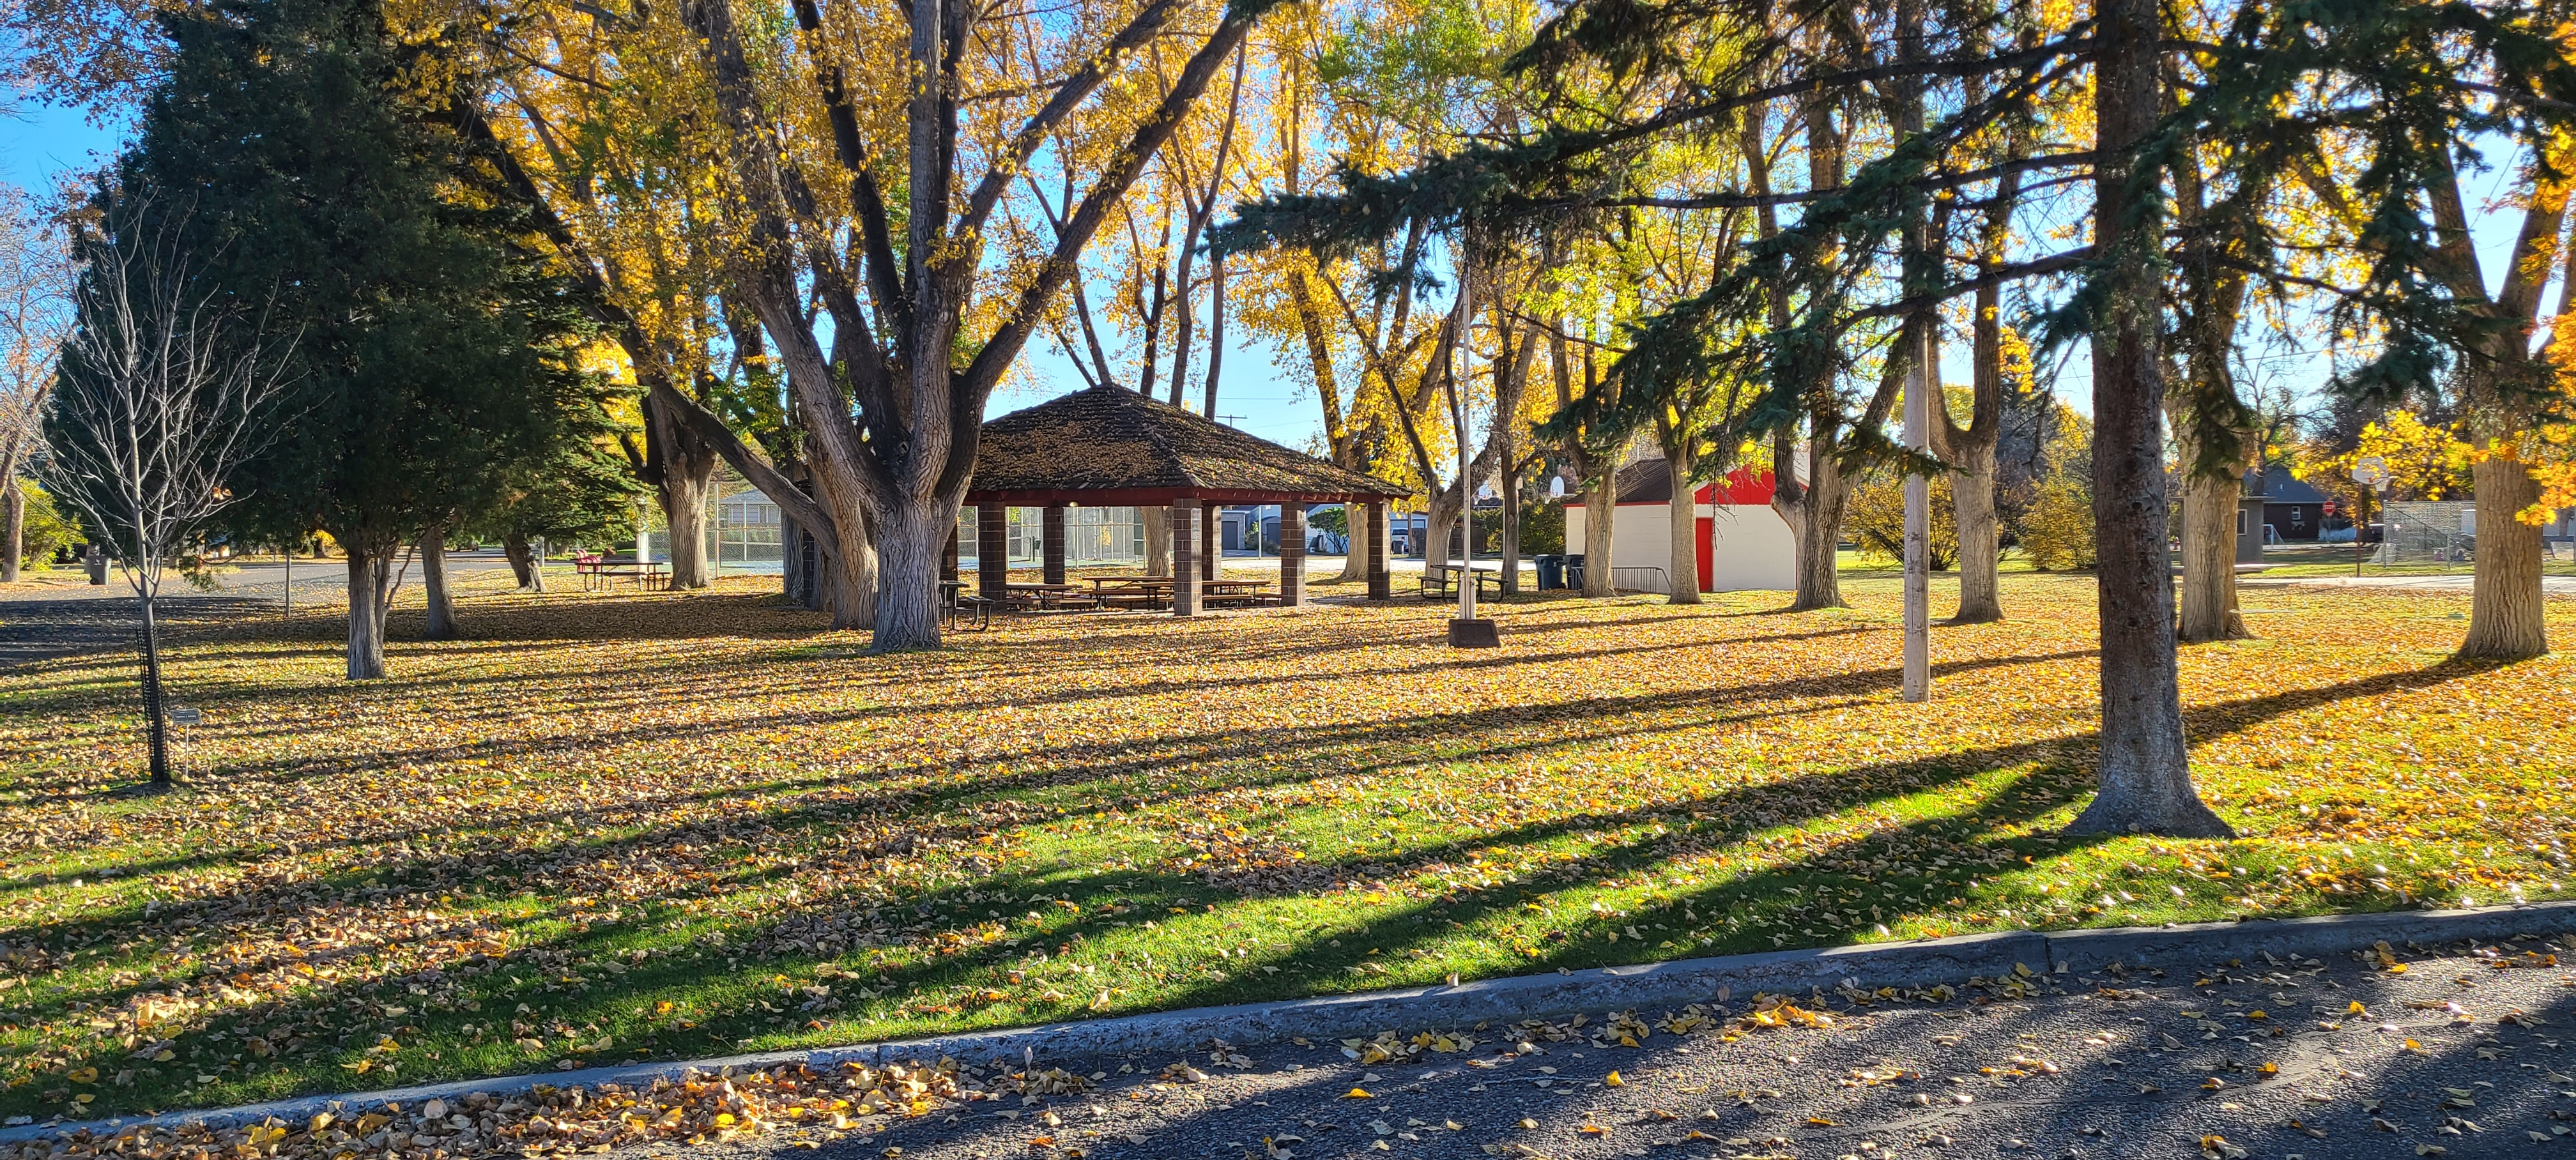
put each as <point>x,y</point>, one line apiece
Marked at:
<point>1551,570</point>
<point>1574,570</point>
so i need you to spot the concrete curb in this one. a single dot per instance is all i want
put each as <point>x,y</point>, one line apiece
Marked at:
<point>1658,985</point>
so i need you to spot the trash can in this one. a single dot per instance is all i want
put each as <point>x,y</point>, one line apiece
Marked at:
<point>97,564</point>
<point>1574,570</point>
<point>1551,570</point>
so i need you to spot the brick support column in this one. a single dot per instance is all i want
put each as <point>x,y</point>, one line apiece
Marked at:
<point>1381,585</point>
<point>1211,547</point>
<point>1292,554</point>
<point>992,550</point>
<point>1185,562</point>
<point>1053,550</point>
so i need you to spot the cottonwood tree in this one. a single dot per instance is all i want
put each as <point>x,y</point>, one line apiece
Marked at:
<point>922,318</point>
<point>167,386</point>
<point>2380,110</point>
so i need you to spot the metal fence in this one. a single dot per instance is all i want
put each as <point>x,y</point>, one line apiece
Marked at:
<point>2434,532</point>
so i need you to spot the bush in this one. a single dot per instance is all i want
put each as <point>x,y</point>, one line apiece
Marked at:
<point>2057,534</point>
<point>1543,527</point>
<point>46,528</point>
<point>1875,519</point>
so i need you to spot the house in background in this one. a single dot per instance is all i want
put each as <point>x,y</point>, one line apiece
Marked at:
<point>1743,544</point>
<point>2295,509</point>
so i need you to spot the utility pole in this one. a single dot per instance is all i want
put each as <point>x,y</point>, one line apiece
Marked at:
<point>1918,522</point>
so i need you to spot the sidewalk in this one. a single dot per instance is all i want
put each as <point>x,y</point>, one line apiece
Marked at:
<point>2460,582</point>
<point>2463,1054</point>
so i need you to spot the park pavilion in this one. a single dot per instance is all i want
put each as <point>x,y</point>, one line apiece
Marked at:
<point>1108,446</point>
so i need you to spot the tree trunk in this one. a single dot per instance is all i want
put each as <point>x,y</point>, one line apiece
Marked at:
<point>2145,763</point>
<point>1684,509</point>
<point>687,475</point>
<point>1158,539</point>
<point>1354,556</point>
<point>2505,618</point>
<point>155,714</point>
<point>1819,527</point>
<point>2209,609</point>
<point>13,529</point>
<point>1600,515</point>
<point>369,588</point>
<point>1438,523</point>
<point>524,566</point>
<point>1972,505</point>
<point>433,584</point>
<point>909,540</point>
<point>1511,548</point>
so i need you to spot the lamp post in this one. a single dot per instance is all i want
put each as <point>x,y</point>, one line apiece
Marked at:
<point>1920,383</point>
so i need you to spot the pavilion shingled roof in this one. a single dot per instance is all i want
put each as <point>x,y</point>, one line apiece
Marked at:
<point>1110,439</point>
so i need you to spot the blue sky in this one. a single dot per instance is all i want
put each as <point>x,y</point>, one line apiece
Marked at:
<point>1259,393</point>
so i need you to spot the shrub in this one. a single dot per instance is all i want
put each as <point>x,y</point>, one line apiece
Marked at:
<point>2057,534</point>
<point>1543,527</point>
<point>1875,519</point>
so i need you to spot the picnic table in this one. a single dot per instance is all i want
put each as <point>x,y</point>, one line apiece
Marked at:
<point>1133,592</point>
<point>1156,591</point>
<point>1442,579</point>
<point>1049,596</point>
<point>598,571</point>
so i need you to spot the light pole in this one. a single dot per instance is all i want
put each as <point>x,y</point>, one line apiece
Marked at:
<point>1919,387</point>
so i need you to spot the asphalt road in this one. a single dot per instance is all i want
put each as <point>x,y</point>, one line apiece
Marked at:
<point>2151,1065</point>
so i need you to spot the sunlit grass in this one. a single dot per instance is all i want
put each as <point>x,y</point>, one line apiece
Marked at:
<point>677,825</point>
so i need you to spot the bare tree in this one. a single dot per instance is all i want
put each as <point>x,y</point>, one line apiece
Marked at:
<point>164,390</point>
<point>35,282</point>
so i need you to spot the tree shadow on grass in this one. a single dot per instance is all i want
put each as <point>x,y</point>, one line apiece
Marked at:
<point>2044,775</point>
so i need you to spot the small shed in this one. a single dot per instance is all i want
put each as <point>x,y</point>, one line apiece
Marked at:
<point>1109,446</point>
<point>1744,545</point>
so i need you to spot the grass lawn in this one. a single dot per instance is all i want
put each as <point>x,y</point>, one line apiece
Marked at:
<point>630,825</point>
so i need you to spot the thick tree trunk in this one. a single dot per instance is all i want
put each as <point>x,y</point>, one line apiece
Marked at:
<point>1158,539</point>
<point>1355,535</point>
<point>524,566</point>
<point>1819,526</point>
<point>1972,507</point>
<point>1511,548</point>
<point>795,579</point>
<point>433,584</point>
<point>2145,763</point>
<point>1439,527</point>
<point>2505,621</point>
<point>1684,559</point>
<point>907,546</point>
<point>2209,559</point>
<point>13,530</point>
<point>1600,518</point>
<point>370,581</point>
<point>684,470</point>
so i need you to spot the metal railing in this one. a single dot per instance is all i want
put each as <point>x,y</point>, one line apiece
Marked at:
<point>1640,578</point>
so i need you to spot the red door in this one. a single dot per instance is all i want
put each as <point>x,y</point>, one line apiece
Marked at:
<point>1707,552</point>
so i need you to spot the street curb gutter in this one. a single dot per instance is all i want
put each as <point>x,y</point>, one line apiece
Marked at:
<point>1672,984</point>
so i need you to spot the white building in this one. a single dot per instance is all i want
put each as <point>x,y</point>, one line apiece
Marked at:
<point>1743,544</point>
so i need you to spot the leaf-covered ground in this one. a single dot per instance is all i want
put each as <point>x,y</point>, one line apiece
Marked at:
<point>621,826</point>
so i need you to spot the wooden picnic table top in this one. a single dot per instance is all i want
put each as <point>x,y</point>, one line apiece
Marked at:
<point>1031,586</point>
